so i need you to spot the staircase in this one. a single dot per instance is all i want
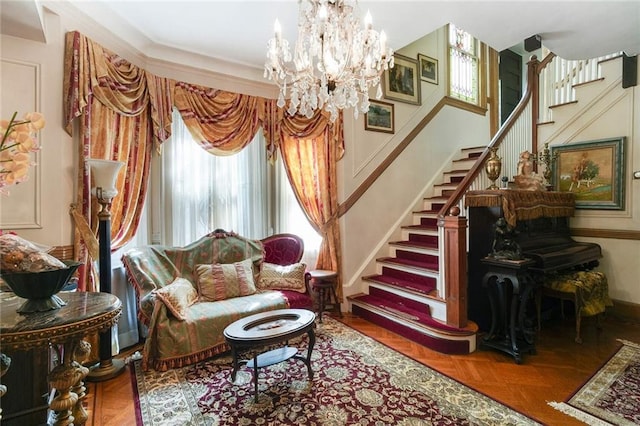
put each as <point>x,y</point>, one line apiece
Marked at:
<point>406,295</point>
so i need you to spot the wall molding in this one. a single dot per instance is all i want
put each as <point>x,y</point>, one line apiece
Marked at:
<point>625,311</point>
<point>22,87</point>
<point>606,233</point>
<point>344,207</point>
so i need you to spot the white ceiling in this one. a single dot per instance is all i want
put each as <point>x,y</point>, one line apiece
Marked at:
<point>237,31</point>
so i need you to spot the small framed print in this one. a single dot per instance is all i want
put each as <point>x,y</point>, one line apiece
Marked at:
<point>380,117</point>
<point>428,69</point>
<point>401,83</point>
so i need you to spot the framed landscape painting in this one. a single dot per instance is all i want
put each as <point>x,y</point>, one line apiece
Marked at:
<point>428,69</point>
<point>380,117</point>
<point>402,82</point>
<point>593,171</point>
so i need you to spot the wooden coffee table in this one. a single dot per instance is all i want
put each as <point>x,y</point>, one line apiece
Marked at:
<point>268,328</point>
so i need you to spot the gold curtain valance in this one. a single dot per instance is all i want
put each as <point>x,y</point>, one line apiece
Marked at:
<point>221,122</point>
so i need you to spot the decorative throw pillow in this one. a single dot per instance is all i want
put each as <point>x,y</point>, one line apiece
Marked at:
<point>178,296</point>
<point>223,248</point>
<point>279,277</point>
<point>224,281</point>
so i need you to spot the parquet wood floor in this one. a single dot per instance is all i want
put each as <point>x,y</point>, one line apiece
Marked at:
<point>559,367</point>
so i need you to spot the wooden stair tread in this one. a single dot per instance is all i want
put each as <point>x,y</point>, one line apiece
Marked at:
<point>421,319</point>
<point>424,227</point>
<point>416,244</point>
<point>406,285</point>
<point>408,262</point>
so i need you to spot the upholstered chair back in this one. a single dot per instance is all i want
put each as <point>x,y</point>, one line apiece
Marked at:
<point>283,249</point>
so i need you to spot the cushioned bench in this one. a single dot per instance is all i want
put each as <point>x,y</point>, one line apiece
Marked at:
<point>588,290</point>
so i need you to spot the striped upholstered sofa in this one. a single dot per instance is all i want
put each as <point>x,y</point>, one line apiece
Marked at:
<point>186,296</point>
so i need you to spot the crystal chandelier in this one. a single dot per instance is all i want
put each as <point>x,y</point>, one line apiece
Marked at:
<point>334,63</point>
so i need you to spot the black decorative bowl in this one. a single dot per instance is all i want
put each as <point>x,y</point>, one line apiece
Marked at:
<point>40,288</point>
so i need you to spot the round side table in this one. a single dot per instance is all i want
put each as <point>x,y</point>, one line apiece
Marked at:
<point>324,283</point>
<point>83,314</point>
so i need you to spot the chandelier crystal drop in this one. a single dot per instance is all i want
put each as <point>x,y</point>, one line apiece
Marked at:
<point>334,63</point>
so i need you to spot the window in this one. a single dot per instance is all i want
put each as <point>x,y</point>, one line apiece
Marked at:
<point>202,192</point>
<point>464,60</point>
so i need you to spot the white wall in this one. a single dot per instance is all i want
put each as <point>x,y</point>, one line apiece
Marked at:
<point>31,76</point>
<point>606,110</point>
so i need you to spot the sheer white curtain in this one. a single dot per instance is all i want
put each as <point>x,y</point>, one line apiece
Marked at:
<point>242,193</point>
<point>291,219</point>
<point>203,192</point>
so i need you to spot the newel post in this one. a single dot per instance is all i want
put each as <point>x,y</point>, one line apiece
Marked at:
<point>455,265</point>
<point>533,80</point>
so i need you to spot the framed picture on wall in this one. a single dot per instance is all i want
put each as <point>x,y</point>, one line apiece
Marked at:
<point>593,171</point>
<point>401,83</point>
<point>380,117</point>
<point>428,69</point>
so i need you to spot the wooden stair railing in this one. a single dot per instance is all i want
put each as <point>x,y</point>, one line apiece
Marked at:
<point>452,227</point>
<point>455,265</point>
<point>456,197</point>
<point>576,73</point>
<point>368,182</point>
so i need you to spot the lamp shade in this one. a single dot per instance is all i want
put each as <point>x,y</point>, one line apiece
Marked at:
<point>105,174</point>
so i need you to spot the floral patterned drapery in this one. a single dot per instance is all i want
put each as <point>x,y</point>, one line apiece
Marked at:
<point>112,96</point>
<point>310,148</point>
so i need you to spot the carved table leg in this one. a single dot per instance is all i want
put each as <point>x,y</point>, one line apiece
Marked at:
<point>63,378</point>
<point>5,363</point>
<point>81,351</point>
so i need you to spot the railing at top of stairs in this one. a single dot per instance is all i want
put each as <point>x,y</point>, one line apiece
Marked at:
<point>559,78</point>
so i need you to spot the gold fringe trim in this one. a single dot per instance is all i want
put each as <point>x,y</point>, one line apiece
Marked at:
<point>183,361</point>
<point>578,414</point>
<point>136,287</point>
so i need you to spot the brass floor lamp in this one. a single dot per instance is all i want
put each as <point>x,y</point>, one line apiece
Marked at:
<point>105,174</point>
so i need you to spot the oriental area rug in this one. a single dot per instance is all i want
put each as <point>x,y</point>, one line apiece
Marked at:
<point>357,380</point>
<point>612,395</point>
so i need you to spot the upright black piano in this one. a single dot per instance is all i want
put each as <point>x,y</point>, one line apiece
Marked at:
<point>540,223</point>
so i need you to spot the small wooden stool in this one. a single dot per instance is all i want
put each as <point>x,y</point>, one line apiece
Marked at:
<point>324,283</point>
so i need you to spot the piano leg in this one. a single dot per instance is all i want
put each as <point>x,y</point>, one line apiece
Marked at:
<point>515,305</point>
